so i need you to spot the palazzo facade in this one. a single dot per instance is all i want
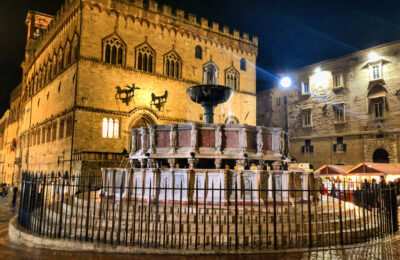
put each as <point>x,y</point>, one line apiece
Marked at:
<point>102,67</point>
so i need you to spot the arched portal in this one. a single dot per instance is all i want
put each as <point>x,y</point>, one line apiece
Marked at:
<point>143,120</point>
<point>380,156</point>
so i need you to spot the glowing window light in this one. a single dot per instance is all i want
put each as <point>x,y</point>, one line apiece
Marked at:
<point>110,128</point>
<point>116,128</point>
<point>105,127</point>
<point>285,82</point>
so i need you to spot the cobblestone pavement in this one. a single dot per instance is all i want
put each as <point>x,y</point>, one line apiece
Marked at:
<point>388,248</point>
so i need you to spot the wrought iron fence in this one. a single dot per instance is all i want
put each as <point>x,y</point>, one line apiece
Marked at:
<point>196,218</point>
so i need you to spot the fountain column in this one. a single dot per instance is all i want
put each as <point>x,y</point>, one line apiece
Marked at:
<point>133,141</point>
<point>172,139</point>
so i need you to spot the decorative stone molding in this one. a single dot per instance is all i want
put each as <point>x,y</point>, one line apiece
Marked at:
<point>371,145</point>
<point>203,140</point>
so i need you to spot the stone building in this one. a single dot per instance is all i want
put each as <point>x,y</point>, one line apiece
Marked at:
<point>101,67</point>
<point>272,107</point>
<point>341,111</point>
<point>9,129</point>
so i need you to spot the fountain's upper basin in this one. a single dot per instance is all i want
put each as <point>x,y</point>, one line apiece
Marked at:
<point>209,94</point>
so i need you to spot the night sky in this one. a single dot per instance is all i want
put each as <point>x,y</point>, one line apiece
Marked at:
<point>292,33</point>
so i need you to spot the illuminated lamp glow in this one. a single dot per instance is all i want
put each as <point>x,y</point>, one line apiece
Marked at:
<point>285,82</point>
<point>317,69</point>
<point>373,56</point>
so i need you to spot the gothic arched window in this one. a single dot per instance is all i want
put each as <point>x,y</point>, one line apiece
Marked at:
<point>74,48</point>
<point>60,61</point>
<point>39,86</point>
<point>173,65</point>
<point>114,49</point>
<point>116,128</point>
<point>243,64</point>
<point>105,128</point>
<point>44,75</point>
<point>198,52</point>
<point>210,74</point>
<point>54,66</point>
<point>50,72</point>
<point>145,60</point>
<point>67,54</point>
<point>232,78</point>
<point>110,128</point>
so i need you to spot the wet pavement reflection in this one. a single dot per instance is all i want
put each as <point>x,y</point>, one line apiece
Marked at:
<point>388,248</point>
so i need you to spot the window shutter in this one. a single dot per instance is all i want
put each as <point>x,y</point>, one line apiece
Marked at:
<point>334,147</point>
<point>344,147</point>
<point>302,149</point>
<point>311,148</point>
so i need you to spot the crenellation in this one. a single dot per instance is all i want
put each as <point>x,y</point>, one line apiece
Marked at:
<point>246,36</point>
<point>180,14</point>
<point>225,30</point>
<point>204,23</point>
<point>236,34</point>
<point>167,10</point>
<point>138,3</point>
<point>255,40</point>
<point>153,6</point>
<point>215,27</point>
<point>192,19</point>
<point>57,17</point>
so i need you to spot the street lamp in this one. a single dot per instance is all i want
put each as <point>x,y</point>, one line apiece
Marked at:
<point>285,82</point>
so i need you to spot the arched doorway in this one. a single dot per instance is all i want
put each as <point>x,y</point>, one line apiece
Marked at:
<point>380,156</point>
<point>144,120</point>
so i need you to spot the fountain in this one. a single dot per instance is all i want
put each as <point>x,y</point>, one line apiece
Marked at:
<point>203,154</point>
<point>190,190</point>
<point>209,96</point>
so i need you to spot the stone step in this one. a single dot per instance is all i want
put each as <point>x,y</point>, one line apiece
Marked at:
<point>326,222</point>
<point>279,207</point>
<point>289,216</point>
<point>353,223</point>
<point>285,239</point>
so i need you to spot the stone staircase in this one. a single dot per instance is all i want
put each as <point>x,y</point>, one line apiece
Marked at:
<point>174,225</point>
